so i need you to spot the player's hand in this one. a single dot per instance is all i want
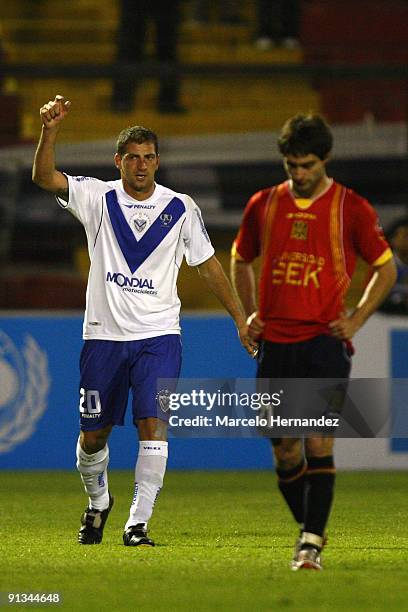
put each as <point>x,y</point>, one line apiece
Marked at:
<point>255,325</point>
<point>247,342</point>
<point>344,327</point>
<point>54,112</point>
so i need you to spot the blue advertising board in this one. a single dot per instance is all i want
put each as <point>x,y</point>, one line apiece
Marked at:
<point>399,369</point>
<point>39,399</point>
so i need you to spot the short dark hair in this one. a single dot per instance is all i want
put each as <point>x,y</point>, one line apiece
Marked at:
<point>304,135</point>
<point>395,226</point>
<point>138,134</point>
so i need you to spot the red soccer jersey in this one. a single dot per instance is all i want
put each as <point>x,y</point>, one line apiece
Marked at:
<point>309,251</point>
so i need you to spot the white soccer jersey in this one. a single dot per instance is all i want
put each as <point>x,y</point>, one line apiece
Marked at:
<point>136,249</point>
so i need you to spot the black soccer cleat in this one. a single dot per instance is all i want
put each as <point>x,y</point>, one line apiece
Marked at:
<point>136,535</point>
<point>93,522</point>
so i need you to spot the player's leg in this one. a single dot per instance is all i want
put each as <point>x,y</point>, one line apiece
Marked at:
<point>320,488</point>
<point>167,32</point>
<point>321,474</point>
<point>291,472</point>
<point>130,43</point>
<point>327,358</point>
<point>160,358</point>
<point>150,469</point>
<point>149,475</point>
<point>291,468</point>
<point>103,394</point>
<point>92,463</point>
<point>279,361</point>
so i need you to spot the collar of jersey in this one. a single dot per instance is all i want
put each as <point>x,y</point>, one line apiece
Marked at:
<point>305,203</point>
<point>128,202</point>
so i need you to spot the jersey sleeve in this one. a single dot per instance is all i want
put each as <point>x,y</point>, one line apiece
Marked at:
<point>368,234</point>
<point>197,243</point>
<point>247,244</point>
<point>85,195</point>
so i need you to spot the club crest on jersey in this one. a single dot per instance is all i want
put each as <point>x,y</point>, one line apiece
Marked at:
<point>299,230</point>
<point>165,218</point>
<point>140,221</point>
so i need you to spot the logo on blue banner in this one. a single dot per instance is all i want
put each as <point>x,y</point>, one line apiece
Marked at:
<point>24,384</point>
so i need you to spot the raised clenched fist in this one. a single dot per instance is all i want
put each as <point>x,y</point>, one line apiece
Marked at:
<point>54,112</point>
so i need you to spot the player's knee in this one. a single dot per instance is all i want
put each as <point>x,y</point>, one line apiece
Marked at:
<point>91,463</point>
<point>288,453</point>
<point>152,428</point>
<point>319,447</point>
<point>94,441</point>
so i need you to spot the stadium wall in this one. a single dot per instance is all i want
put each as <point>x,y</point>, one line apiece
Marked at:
<point>39,394</point>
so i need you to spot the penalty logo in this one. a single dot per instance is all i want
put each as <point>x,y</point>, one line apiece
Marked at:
<point>23,390</point>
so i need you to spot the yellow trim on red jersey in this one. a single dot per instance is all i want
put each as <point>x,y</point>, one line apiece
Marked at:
<point>269,217</point>
<point>336,241</point>
<point>382,259</point>
<point>303,203</point>
<point>235,254</point>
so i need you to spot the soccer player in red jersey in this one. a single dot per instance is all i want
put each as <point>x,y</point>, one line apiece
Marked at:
<point>308,231</point>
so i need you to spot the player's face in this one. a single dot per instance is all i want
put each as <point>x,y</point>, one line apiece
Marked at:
<point>137,168</point>
<point>308,174</point>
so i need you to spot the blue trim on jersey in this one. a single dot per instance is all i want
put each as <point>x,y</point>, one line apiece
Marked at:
<point>137,251</point>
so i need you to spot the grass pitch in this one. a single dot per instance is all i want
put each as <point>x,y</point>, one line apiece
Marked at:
<point>224,542</point>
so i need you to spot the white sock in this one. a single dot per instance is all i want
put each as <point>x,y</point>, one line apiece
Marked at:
<point>94,475</point>
<point>149,474</point>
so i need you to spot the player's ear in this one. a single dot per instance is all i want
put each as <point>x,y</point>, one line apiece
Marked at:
<point>117,159</point>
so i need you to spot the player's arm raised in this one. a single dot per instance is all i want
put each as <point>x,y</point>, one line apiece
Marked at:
<point>213,274</point>
<point>45,175</point>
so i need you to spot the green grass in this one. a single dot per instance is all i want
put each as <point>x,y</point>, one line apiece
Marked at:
<point>224,541</point>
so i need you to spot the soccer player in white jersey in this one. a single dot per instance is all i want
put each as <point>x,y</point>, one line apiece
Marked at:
<point>138,232</point>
